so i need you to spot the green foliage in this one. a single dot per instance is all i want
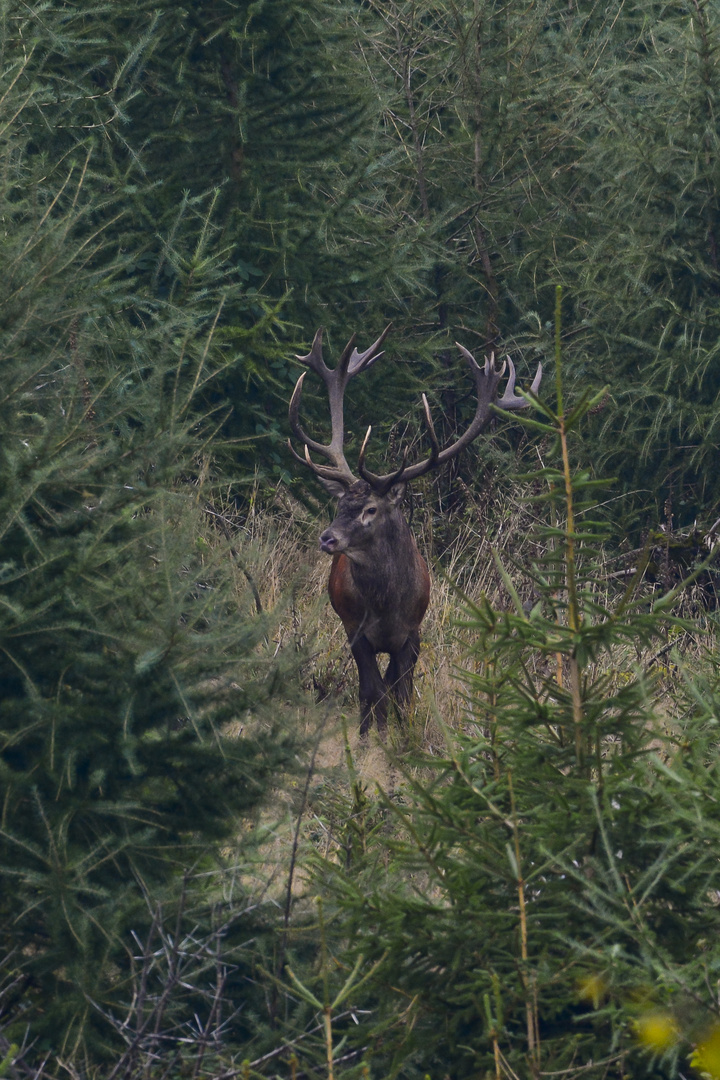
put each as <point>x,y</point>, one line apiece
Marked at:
<point>254,106</point>
<point>526,145</point>
<point>138,695</point>
<point>641,260</point>
<point>433,162</point>
<point>186,189</point>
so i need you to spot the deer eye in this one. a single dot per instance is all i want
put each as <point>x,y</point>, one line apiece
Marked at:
<point>370,510</point>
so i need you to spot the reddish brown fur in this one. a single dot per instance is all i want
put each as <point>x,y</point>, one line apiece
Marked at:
<point>343,597</point>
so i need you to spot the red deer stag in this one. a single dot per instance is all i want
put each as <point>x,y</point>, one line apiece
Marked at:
<point>379,582</point>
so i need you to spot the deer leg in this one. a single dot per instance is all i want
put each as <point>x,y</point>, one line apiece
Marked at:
<point>372,689</point>
<point>400,672</point>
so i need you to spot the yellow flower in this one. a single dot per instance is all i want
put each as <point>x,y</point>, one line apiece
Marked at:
<point>657,1030</point>
<point>592,988</point>
<point>706,1058</point>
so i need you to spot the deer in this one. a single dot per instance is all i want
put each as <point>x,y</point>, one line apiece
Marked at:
<point>379,583</point>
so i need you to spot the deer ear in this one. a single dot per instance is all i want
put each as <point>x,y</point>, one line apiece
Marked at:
<point>397,493</point>
<point>333,487</point>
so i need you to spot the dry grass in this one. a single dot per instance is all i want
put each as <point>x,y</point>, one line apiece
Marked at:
<point>278,546</point>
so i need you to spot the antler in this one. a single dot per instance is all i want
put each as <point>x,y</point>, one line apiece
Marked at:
<point>487,379</point>
<point>351,363</point>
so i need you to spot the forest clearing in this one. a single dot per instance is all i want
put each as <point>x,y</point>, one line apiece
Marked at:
<point>231,846</point>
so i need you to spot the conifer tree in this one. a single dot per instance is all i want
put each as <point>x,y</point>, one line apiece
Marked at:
<point>139,717</point>
<point>243,106</point>
<point>576,144</point>
<point>644,270</point>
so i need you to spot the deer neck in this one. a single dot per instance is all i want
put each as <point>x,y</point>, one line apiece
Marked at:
<point>386,569</point>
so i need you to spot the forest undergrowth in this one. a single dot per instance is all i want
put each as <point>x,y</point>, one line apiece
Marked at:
<point>556,694</point>
<point>374,833</point>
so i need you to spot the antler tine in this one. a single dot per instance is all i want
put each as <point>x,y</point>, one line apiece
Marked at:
<point>363,448</point>
<point>510,384</point>
<point>487,378</point>
<point>335,379</point>
<point>431,431</point>
<point>362,361</point>
<point>295,454</point>
<point>314,358</point>
<point>325,471</point>
<point>379,484</point>
<point>490,366</point>
<point>329,472</point>
<point>472,362</point>
<point>294,416</point>
<point>511,400</point>
<point>367,476</point>
<point>382,484</point>
<point>339,469</point>
<point>341,372</point>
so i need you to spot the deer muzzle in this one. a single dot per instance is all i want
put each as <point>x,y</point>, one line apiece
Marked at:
<point>329,542</point>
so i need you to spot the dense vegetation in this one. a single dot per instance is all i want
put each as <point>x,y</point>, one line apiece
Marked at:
<point>188,191</point>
